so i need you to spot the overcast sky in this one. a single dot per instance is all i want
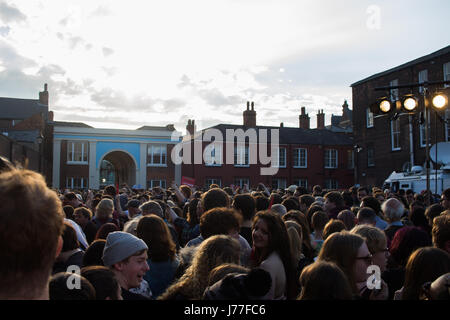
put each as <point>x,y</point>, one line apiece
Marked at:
<point>124,64</point>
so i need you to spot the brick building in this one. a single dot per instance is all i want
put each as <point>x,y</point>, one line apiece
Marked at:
<point>26,134</point>
<point>305,156</point>
<point>387,144</point>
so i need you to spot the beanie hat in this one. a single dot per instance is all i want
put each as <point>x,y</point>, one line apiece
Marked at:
<point>119,246</point>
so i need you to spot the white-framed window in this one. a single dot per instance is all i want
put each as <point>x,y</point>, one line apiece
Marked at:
<point>395,134</point>
<point>157,155</point>
<point>301,182</point>
<point>331,184</point>
<point>240,182</point>
<point>423,140</point>
<point>210,181</point>
<point>423,77</point>
<point>279,183</point>
<point>213,155</point>
<point>394,92</point>
<point>446,73</point>
<point>241,158</point>
<point>157,183</point>
<point>331,158</point>
<point>281,158</point>
<point>76,183</point>
<point>300,158</point>
<point>370,157</point>
<point>350,159</point>
<point>369,118</point>
<point>77,152</point>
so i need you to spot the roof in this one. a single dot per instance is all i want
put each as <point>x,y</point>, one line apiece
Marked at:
<point>24,136</point>
<point>406,65</point>
<point>169,127</point>
<point>295,135</point>
<point>12,108</point>
<point>69,124</point>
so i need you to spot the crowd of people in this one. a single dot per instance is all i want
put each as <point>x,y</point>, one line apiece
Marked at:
<point>183,243</point>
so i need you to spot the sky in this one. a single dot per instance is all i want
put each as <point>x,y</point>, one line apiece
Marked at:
<point>126,64</point>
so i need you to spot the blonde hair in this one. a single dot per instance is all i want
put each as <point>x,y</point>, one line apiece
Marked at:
<point>104,208</point>
<point>295,238</point>
<point>211,253</point>
<point>375,238</point>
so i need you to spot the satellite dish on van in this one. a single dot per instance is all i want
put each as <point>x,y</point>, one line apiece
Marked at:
<point>443,154</point>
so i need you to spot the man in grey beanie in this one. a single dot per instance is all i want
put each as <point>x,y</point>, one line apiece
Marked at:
<point>126,256</point>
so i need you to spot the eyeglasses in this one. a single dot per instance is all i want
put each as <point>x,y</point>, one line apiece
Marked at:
<point>367,259</point>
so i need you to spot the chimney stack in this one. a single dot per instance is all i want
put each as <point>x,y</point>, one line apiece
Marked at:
<point>190,128</point>
<point>303,119</point>
<point>321,120</point>
<point>43,96</point>
<point>250,116</point>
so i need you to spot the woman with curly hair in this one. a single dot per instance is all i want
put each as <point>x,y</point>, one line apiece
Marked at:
<point>211,253</point>
<point>162,259</point>
<point>272,252</point>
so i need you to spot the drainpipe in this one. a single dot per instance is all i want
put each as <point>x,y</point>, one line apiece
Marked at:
<point>411,142</point>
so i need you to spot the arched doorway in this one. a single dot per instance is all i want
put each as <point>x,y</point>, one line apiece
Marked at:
<point>117,168</point>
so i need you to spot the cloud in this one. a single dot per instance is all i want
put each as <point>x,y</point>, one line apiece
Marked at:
<point>107,51</point>
<point>101,11</point>
<point>74,42</point>
<point>216,98</point>
<point>13,60</point>
<point>10,13</point>
<point>4,31</point>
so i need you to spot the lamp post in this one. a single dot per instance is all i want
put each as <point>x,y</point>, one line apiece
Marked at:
<point>40,140</point>
<point>409,104</point>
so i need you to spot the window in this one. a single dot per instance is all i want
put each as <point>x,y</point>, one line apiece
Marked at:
<point>423,77</point>
<point>241,156</point>
<point>281,158</point>
<point>395,134</point>
<point>370,157</point>
<point>331,158</point>
<point>156,155</point>
<point>423,139</point>
<point>213,155</point>
<point>300,158</point>
<point>76,183</point>
<point>447,73</point>
<point>447,127</point>
<point>279,183</point>
<point>301,182</point>
<point>157,183</point>
<point>350,159</point>
<point>331,184</point>
<point>77,152</point>
<point>239,182</point>
<point>394,92</point>
<point>369,118</point>
<point>210,181</point>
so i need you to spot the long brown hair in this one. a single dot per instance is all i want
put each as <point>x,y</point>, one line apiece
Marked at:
<point>425,264</point>
<point>342,249</point>
<point>278,242</point>
<point>156,235</point>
